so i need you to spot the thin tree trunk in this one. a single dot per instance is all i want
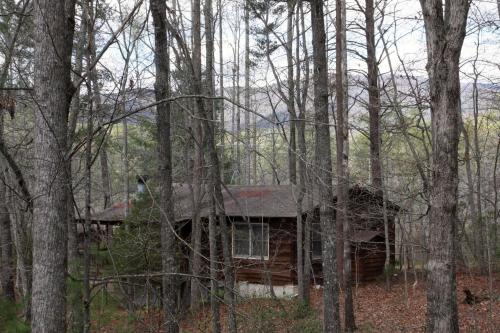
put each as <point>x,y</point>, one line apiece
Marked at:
<point>221,89</point>
<point>72,123</point>
<point>323,169</point>
<point>6,248</point>
<point>373,98</point>
<point>292,159</point>
<point>445,32</point>
<point>88,218</point>
<point>21,235</point>
<point>6,260</point>
<point>214,174</point>
<point>214,182</point>
<point>495,200</point>
<point>479,232</point>
<point>343,162</point>
<point>303,247</point>
<point>54,23</point>
<point>198,156</point>
<point>162,91</point>
<point>470,186</point>
<point>302,89</point>
<point>248,155</point>
<point>75,299</point>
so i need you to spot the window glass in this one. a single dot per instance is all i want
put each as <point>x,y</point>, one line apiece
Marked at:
<point>241,239</point>
<point>316,240</point>
<point>250,240</point>
<point>259,238</point>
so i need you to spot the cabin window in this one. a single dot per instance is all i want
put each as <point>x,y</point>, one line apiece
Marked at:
<point>251,240</point>
<point>316,240</point>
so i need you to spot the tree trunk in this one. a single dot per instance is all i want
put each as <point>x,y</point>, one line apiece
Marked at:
<point>21,236</point>
<point>222,129</point>
<point>323,169</point>
<point>213,173</point>
<point>445,32</point>
<point>303,252</point>
<point>6,259</point>
<point>302,89</point>
<point>72,123</point>
<point>373,99</point>
<point>470,188</point>
<point>54,23</point>
<point>88,217</point>
<point>292,159</point>
<point>168,240</point>
<point>343,163</point>
<point>479,232</point>
<point>248,154</point>
<point>198,172</point>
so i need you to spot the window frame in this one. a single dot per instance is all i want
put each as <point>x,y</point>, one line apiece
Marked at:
<point>248,225</point>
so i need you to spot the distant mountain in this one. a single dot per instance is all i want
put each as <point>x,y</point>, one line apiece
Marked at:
<point>270,105</point>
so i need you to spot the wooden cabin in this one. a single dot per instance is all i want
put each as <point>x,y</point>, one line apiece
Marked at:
<point>263,224</point>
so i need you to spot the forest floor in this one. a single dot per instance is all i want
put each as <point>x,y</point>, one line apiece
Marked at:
<point>376,309</point>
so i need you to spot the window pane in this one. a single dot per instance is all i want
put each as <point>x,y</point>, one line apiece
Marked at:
<point>259,240</point>
<point>241,248</point>
<point>241,232</point>
<point>259,249</point>
<point>241,240</point>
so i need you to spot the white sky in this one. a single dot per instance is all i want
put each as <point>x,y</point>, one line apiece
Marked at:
<point>402,15</point>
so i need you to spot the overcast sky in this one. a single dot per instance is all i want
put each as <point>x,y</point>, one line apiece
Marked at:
<point>402,19</point>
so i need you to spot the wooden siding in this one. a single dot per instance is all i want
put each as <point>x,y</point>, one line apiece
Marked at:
<point>280,265</point>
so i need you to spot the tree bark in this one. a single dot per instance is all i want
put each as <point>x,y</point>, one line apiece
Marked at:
<point>222,129</point>
<point>479,230</point>
<point>292,146</point>
<point>373,98</point>
<point>168,240</point>
<point>198,168</point>
<point>247,172</point>
<point>54,23</point>
<point>445,32</point>
<point>214,174</point>
<point>323,168</point>
<point>343,163</point>
<point>6,259</point>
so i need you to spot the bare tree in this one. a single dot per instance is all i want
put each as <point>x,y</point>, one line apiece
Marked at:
<point>214,174</point>
<point>7,269</point>
<point>162,92</point>
<point>247,173</point>
<point>343,223</point>
<point>445,32</point>
<point>373,97</point>
<point>290,100</point>
<point>52,87</point>
<point>323,169</point>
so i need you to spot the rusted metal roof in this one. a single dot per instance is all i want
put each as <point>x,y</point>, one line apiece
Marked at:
<point>245,201</point>
<point>248,201</point>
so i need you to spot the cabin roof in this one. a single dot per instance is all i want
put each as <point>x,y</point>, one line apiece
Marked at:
<point>248,201</point>
<point>278,201</point>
